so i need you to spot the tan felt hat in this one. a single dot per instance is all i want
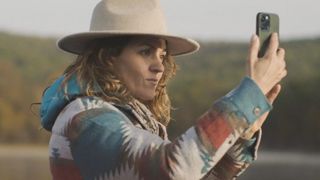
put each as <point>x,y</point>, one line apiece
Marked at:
<point>127,17</point>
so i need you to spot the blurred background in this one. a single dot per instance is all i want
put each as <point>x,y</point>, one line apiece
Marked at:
<point>30,61</point>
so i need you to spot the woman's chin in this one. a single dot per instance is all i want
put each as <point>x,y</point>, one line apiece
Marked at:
<point>146,96</point>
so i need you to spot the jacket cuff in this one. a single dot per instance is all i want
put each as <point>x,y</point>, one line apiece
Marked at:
<point>249,100</point>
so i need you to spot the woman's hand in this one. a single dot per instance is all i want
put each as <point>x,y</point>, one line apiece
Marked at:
<point>271,68</point>
<point>267,72</point>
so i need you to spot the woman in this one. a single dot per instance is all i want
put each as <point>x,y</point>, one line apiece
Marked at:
<point>108,112</point>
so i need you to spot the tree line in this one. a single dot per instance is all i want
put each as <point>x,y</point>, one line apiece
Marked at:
<point>29,64</point>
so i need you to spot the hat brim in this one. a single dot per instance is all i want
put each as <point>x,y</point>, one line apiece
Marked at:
<point>77,43</point>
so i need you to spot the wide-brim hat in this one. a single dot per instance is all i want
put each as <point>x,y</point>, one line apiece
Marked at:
<point>127,17</point>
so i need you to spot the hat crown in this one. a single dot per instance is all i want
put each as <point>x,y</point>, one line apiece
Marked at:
<point>127,17</point>
<point>141,16</point>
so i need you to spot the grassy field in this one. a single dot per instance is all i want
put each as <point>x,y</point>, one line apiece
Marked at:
<point>31,163</point>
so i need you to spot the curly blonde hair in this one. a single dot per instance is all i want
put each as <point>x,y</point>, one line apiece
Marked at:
<point>96,77</point>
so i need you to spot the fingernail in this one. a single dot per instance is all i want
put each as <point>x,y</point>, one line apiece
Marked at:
<point>253,37</point>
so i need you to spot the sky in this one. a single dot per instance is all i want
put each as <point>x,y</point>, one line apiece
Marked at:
<point>230,20</point>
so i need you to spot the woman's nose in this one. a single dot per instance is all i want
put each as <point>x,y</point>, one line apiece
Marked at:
<point>157,64</point>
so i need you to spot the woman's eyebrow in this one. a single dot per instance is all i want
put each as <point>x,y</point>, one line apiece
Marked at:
<point>152,46</point>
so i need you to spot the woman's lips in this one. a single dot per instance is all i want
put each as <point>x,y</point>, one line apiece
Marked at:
<point>153,81</point>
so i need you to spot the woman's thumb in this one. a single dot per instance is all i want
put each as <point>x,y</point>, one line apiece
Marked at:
<point>273,93</point>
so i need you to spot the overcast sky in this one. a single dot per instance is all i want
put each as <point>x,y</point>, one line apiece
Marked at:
<point>202,19</point>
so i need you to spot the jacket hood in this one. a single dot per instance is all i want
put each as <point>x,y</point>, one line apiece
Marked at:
<point>55,98</point>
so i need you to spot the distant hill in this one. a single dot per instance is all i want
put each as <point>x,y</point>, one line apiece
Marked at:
<point>29,64</point>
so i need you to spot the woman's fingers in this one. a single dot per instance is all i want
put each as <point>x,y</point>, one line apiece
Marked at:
<point>281,52</point>
<point>273,45</point>
<point>284,73</point>
<point>254,49</point>
<point>281,55</point>
<point>252,55</point>
<point>274,92</point>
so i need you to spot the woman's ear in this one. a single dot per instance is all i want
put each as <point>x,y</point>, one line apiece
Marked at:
<point>113,59</point>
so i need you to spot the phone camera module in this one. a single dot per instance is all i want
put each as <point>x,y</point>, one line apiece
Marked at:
<point>265,22</point>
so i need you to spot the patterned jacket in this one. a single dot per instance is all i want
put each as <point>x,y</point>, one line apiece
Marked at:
<point>94,139</point>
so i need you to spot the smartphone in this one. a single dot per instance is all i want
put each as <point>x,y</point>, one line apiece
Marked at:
<point>266,24</point>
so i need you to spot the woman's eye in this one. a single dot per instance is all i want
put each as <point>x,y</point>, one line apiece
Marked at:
<point>163,57</point>
<point>145,52</point>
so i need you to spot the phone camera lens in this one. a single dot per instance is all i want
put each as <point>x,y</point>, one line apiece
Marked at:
<point>265,17</point>
<point>265,22</point>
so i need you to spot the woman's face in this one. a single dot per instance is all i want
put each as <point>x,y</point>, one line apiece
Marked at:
<point>140,66</point>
